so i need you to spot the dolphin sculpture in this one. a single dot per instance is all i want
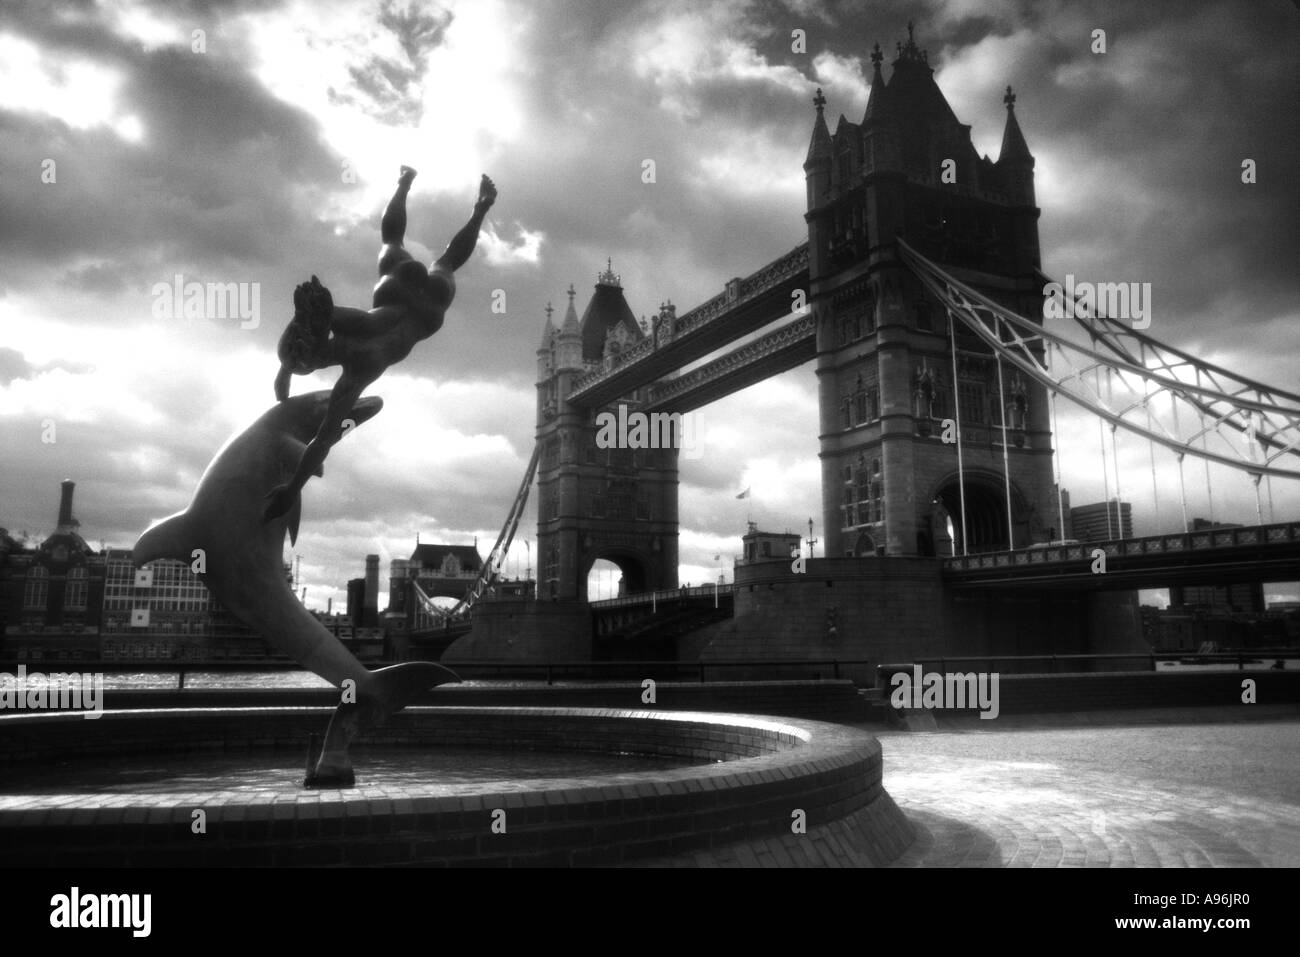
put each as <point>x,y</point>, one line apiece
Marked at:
<point>242,557</point>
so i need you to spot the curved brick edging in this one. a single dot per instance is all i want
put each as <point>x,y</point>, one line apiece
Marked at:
<point>772,767</point>
<point>827,699</point>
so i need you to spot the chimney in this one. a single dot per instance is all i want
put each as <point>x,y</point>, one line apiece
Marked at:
<point>370,614</point>
<point>66,522</point>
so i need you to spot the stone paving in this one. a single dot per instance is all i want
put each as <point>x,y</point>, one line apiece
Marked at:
<point>1156,795</point>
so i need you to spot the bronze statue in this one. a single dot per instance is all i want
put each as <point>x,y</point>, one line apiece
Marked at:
<point>243,556</point>
<point>409,305</point>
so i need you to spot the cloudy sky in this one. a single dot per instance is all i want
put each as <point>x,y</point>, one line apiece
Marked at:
<point>256,141</point>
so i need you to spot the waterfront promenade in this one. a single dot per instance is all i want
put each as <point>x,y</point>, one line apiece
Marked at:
<point>1035,794</point>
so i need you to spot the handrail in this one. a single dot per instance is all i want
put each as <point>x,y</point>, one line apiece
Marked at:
<point>1201,540</point>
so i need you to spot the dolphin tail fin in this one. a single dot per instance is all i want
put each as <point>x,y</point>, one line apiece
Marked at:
<point>170,538</point>
<point>398,685</point>
<point>392,690</point>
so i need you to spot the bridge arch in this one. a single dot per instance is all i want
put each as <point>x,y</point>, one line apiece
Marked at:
<point>634,567</point>
<point>986,514</point>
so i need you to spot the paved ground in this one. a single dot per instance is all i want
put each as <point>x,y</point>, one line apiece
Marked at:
<point>1158,795</point>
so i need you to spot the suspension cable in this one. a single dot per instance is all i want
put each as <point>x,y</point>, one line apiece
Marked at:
<point>1105,468</point>
<point>1182,487</point>
<point>1006,462</point>
<point>1182,490</point>
<point>1056,459</point>
<point>1119,496</point>
<point>1151,447</point>
<point>1114,447</point>
<point>956,406</point>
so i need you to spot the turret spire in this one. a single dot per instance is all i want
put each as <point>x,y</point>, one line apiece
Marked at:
<point>820,146</point>
<point>1014,146</point>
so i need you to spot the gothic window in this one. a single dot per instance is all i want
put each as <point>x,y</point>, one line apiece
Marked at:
<point>846,408</point>
<point>923,321</point>
<point>869,316</point>
<point>74,594</point>
<point>859,402</point>
<point>873,402</point>
<point>36,593</point>
<point>864,496</point>
<point>971,396</point>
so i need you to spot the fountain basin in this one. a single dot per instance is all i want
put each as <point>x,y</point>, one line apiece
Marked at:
<point>743,781</point>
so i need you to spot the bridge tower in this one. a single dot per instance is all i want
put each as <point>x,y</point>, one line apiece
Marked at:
<point>890,481</point>
<point>619,504</point>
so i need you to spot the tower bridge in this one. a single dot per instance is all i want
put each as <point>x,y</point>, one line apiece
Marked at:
<point>920,295</point>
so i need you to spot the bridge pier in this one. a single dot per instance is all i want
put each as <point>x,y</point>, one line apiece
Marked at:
<point>520,630</point>
<point>898,609</point>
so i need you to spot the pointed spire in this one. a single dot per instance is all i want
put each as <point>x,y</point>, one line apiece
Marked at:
<point>548,330</point>
<point>1013,141</point>
<point>820,146</point>
<point>877,103</point>
<point>571,325</point>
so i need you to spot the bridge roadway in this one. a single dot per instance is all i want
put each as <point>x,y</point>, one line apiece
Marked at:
<point>661,596</point>
<point>746,306</point>
<point>1220,556</point>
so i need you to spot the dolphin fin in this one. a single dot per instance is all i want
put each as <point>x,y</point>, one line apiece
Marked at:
<point>170,538</point>
<point>398,685</point>
<point>393,689</point>
<point>293,518</point>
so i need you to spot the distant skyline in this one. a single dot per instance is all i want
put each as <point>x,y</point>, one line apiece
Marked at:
<point>261,149</point>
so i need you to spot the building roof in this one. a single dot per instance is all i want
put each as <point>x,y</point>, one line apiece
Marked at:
<point>432,556</point>
<point>606,310</point>
<point>912,103</point>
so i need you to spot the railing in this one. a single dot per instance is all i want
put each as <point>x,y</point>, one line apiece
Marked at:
<point>666,594</point>
<point>1239,658</point>
<point>1181,543</point>
<point>178,666</point>
<point>549,671</point>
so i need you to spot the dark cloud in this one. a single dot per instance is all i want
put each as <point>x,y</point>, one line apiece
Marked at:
<point>1139,159</point>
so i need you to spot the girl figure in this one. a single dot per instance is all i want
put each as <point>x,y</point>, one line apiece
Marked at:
<point>409,305</point>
